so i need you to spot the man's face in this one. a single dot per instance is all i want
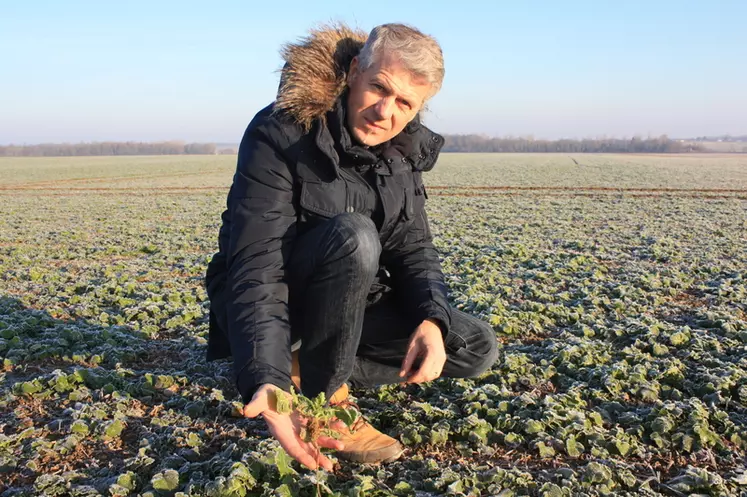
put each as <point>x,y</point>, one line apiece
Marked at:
<point>382,100</point>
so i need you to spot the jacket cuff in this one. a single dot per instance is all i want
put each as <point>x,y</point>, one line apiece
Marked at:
<point>248,381</point>
<point>439,315</point>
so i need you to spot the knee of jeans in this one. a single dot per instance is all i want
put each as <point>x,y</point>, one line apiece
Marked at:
<point>485,349</point>
<point>361,238</point>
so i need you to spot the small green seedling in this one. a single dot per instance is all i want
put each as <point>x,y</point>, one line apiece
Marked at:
<point>319,416</point>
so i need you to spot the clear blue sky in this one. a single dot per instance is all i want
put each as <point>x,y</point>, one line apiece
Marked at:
<point>198,71</point>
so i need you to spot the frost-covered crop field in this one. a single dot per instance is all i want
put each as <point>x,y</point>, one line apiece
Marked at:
<point>617,287</point>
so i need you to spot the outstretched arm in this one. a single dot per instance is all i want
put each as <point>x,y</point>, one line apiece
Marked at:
<point>262,231</point>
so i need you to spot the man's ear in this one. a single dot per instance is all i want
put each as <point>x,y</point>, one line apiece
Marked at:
<point>353,70</point>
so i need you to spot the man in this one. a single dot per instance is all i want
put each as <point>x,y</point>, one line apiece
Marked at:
<point>325,240</point>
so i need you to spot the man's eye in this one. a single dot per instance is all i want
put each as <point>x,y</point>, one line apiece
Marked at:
<point>378,87</point>
<point>406,104</point>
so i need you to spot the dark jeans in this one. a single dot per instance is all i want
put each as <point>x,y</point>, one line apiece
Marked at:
<point>342,338</point>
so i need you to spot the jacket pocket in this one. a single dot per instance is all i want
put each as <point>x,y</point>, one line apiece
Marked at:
<point>454,342</point>
<point>323,199</point>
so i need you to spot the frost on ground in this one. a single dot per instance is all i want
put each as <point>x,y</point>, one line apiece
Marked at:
<point>622,320</point>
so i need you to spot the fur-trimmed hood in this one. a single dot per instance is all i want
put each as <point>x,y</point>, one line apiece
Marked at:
<point>315,72</point>
<point>314,77</point>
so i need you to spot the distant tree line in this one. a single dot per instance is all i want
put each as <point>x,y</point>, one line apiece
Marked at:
<point>478,143</point>
<point>107,148</point>
<point>454,143</point>
<point>722,138</point>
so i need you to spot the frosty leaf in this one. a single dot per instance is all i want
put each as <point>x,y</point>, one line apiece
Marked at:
<point>364,483</point>
<point>283,462</point>
<point>545,450</point>
<point>216,488</point>
<point>194,440</point>
<point>403,488</point>
<point>80,393</point>
<point>283,491</point>
<point>411,436</point>
<point>166,481</point>
<point>439,433</point>
<point>217,395</point>
<point>597,473</point>
<point>163,381</point>
<point>113,429</point>
<point>534,426</point>
<point>80,427</point>
<point>622,447</point>
<point>596,418</point>
<point>678,338</point>
<point>127,480</point>
<point>31,387</point>
<point>455,488</point>
<point>551,490</point>
<point>662,425</point>
<point>241,478</point>
<point>572,447</point>
<point>116,490</point>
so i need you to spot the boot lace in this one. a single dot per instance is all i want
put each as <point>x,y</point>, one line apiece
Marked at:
<point>349,404</point>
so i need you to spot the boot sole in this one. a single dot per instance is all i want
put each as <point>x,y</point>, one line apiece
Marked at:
<point>375,457</point>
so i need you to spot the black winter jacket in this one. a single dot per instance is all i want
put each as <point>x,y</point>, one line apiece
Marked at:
<point>288,179</point>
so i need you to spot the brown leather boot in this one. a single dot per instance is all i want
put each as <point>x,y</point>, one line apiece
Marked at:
<point>364,443</point>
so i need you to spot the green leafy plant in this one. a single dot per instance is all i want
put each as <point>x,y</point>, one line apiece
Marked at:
<point>318,415</point>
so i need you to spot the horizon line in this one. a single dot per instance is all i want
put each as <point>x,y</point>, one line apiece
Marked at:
<point>649,136</point>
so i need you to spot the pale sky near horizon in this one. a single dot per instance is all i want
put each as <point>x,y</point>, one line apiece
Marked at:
<point>83,71</point>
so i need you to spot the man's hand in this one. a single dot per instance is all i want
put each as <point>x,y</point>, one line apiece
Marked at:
<point>286,429</point>
<point>428,344</point>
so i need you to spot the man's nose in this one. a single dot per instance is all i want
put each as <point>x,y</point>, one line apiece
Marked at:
<point>384,108</point>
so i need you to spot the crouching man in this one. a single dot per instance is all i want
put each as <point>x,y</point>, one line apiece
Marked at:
<point>325,240</point>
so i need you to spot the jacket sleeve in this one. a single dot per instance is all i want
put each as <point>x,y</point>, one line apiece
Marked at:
<point>416,272</point>
<point>262,230</point>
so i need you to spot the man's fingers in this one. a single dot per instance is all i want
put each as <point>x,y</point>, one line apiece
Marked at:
<point>303,457</point>
<point>289,442</point>
<point>325,462</point>
<point>319,458</point>
<point>304,453</point>
<point>255,407</point>
<point>430,369</point>
<point>330,443</point>
<point>315,454</point>
<point>419,376</point>
<point>412,354</point>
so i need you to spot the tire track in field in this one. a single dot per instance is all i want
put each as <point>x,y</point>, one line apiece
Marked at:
<point>114,179</point>
<point>590,191</point>
<point>590,188</point>
<point>103,189</point>
<point>591,194</point>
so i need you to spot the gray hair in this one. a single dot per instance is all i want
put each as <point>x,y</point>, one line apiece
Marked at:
<point>418,52</point>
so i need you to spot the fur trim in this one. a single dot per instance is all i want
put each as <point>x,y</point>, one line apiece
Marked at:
<point>315,72</point>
